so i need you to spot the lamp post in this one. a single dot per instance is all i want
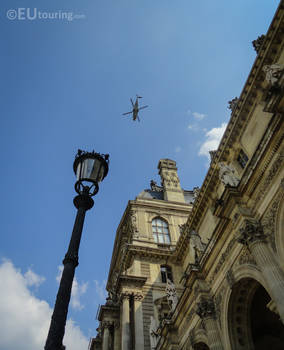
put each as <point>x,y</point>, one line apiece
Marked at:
<point>90,168</point>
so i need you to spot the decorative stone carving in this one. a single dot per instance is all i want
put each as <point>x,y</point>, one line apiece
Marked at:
<point>233,103</point>
<point>133,221</point>
<point>258,43</point>
<point>273,73</point>
<point>271,174</point>
<point>171,295</point>
<point>246,258</point>
<point>206,308</point>
<point>112,299</point>
<point>198,246</point>
<point>182,228</point>
<point>196,191</point>
<point>154,336</point>
<point>212,154</point>
<point>138,296</point>
<point>125,295</point>
<point>155,187</point>
<point>228,175</point>
<point>106,324</point>
<point>250,232</point>
<point>268,220</point>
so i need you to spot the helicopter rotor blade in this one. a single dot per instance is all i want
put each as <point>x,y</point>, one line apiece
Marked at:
<point>143,107</point>
<point>132,102</point>
<point>126,113</point>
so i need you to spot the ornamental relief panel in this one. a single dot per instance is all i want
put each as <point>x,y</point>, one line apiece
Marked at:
<point>245,258</point>
<point>269,218</point>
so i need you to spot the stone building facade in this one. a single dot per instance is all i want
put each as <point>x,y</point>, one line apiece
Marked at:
<point>204,269</point>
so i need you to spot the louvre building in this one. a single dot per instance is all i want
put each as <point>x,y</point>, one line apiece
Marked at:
<point>203,268</point>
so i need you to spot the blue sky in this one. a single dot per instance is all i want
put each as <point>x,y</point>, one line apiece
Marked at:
<point>64,86</point>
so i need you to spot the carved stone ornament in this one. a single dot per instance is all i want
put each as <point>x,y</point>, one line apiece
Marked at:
<point>273,73</point>
<point>258,43</point>
<point>171,295</point>
<point>206,308</point>
<point>246,258</point>
<point>133,221</point>
<point>196,191</point>
<point>198,246</point>
<point>250,232</point>
<point>212,154</point>
<point>138,296</point>
<point>233,103</point>
<point>112,299</point>
<point>228,175</point>
<point>269,218</point>
<point>106,324</point>
<point>182,228</point>
<point>154,187</point>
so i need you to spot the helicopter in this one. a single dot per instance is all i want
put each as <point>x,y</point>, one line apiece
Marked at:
<point>135,109</point>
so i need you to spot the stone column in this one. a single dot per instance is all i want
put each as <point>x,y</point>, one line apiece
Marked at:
<point>252,235</point>
<point>206,310</point>
<point>106,339</point>
<point>116,345</point>
<point>138,321</point>
<point>125,322</point>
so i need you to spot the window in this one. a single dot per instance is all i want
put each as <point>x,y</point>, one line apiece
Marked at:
<point>242,159</point>
<point>160,231</point>
<point>166,273</point>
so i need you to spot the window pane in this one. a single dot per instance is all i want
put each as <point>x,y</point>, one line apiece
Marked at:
<point>161,240</point>
<point>155,238</point>
<point>167,239</point>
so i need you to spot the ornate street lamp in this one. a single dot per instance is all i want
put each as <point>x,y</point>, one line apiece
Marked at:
<point>90,168</point>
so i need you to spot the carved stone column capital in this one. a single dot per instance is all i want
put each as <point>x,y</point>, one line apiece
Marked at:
<point>250,232</point>
<point>138,296</point>
<point>106,324</point>
<point>125,295</point>
<point>206,308</point>
<point>116,324</point>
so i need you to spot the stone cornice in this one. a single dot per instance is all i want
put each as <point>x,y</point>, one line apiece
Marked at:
<point>252,93</point>
<point>107,311</point>
<point>131,281</point>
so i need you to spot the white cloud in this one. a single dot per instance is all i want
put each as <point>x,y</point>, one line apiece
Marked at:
<point>24,318</point>
<point>32,279</point>
<point>213,138</point>
<point>193,127</point>
<point>198,116</point>
<point>177,149</point>
<point>77,290</point>
<point>101,289</point>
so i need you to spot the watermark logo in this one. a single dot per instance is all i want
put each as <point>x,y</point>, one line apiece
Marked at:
<point>32,14</point>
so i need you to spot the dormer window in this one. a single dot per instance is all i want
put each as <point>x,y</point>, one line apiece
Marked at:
<point>160,231</point>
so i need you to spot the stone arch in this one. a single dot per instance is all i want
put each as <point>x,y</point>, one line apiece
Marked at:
<point>200,346</point>
<point>199,338</point>
<point>240,272</point>
<point>252,325</point>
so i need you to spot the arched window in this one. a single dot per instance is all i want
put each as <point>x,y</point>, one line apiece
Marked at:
<point>160,230</point>
<point>166,273</point>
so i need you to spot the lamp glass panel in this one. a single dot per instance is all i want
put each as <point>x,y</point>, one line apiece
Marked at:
<point>91,169</point>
